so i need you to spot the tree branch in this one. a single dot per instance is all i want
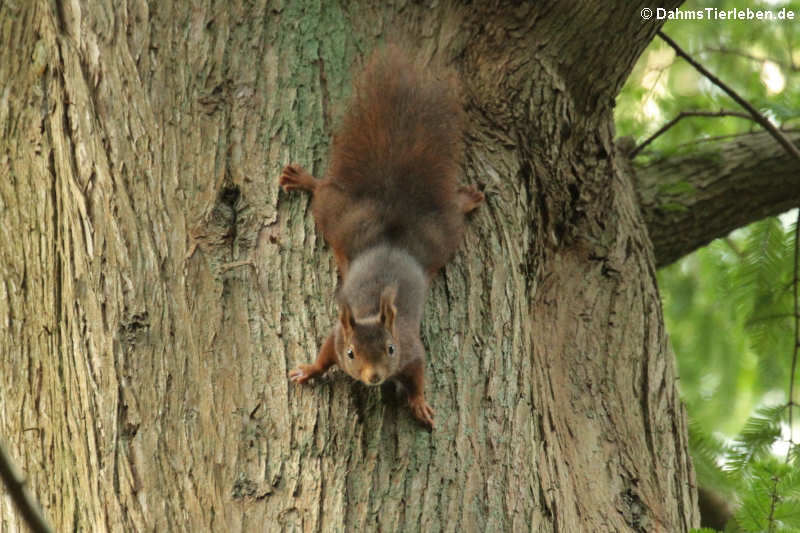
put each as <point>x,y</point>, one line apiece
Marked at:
<point>689,201</point>
<point>796,348</point>
<point>28,508</point>
<point>682,115</point>
<point>758,117</point>
<point>723,184</point>
<point>757,59</point>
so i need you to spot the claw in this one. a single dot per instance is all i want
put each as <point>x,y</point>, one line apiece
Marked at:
<point>301,374</point>
<point>470,198</point>
<point>287,178</point>
<point>422,411</point>
<point>295,177</point>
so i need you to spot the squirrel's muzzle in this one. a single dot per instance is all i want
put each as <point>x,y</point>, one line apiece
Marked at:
<point>371,377</point>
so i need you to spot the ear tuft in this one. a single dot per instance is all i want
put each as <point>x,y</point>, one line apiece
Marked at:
<point>346,317</point>
<point>388,309</point>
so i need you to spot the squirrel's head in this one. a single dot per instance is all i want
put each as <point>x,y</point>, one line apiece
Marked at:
<point>367,347</point>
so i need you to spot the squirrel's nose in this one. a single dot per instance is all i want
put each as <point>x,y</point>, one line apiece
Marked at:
<point>370,377</point>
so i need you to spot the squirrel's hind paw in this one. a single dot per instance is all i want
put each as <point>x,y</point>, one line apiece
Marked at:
<point>469,198</point>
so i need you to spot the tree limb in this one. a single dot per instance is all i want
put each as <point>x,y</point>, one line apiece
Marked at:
<point>758,117</point>
<point>15,485</point>
<point>682,115</point>
<point>690,200</point>
<point>732,51</point>
<point>796,347</point>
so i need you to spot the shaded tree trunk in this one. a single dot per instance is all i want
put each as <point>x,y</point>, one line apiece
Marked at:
<point>157,287</point>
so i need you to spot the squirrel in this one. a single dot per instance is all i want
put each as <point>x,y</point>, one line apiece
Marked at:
<point>392,211</point>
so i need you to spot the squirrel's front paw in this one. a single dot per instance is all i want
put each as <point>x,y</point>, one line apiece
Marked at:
<point>302,373</point>
<point>295,177</point>
<point>421,410</point>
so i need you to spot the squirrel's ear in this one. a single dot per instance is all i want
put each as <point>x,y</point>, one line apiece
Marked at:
<point>346,317</point>
<point>388,310</point>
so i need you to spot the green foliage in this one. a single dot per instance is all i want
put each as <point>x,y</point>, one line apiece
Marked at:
<point>728,310</point>
<point>755,440</point>
<point>729,307</point>
<point>707,452</point>
<point>767,487</point>
<point>758,59</point>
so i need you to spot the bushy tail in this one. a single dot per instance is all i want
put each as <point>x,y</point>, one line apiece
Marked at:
<point>402,134</point>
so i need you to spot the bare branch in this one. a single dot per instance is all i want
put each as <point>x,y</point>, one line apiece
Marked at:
<point>739,53</point>
<point>796,351</point>
<point>28,508</point>
<point>682,115</point>
<point>758,117</point>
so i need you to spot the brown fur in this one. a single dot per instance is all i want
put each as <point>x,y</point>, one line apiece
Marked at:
<point>393,212</point>
<point>394,165</point>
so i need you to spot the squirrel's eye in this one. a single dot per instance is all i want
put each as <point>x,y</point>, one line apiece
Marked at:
<point>391,349</point>
<point>350,353</point>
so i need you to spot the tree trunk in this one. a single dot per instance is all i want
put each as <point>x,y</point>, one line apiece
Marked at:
<point>157,287</point>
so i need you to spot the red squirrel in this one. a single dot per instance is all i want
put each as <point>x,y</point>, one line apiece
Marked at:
<point>391,209</point>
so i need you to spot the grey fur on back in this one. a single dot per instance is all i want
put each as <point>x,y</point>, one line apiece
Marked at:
<point>380,267</point>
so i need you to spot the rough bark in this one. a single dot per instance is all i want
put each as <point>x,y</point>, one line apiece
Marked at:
<point>724,184</point>
<point>157,287</point>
